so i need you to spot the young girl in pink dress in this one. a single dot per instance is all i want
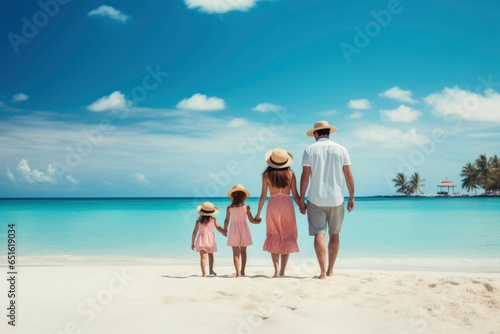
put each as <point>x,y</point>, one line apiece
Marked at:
<point>281,226</point>
<point>203,238</point>
<point>239,236</point>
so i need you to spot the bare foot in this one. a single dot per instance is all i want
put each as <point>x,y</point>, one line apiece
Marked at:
<point>323,276</point>
<point>213,273</point>
<point>276,275</point>
<point>329,273</point>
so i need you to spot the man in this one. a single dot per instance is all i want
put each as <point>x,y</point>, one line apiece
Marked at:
<point>325,165</point>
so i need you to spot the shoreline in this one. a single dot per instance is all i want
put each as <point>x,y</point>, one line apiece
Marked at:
<point>486,266</point>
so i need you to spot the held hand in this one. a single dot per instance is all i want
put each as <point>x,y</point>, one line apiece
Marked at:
<point>192,247</point>
<point>302,207</point>
<point>350,205</point>
<point>258,220</point>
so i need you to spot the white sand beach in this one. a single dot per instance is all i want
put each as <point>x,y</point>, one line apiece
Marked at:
<point>168,296</point>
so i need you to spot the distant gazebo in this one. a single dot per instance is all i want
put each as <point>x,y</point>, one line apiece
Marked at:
<point>446,183</point>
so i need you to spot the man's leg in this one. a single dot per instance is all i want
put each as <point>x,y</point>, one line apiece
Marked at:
<point>316,217</point>
<point>333,250</point>
<point>320,248</point>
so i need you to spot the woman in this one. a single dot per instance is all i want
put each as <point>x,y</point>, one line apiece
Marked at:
<point>281,226</point>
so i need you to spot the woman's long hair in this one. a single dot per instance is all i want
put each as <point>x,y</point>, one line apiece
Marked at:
<point>279,178</point>
<point>238,198</point>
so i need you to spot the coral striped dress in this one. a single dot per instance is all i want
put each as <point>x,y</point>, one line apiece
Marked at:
<point>239,232</point>
<point>281,226</point>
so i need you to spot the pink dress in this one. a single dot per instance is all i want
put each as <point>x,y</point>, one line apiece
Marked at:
<point>239,233</point>
<point>205,240</point>
<point>281,227</point>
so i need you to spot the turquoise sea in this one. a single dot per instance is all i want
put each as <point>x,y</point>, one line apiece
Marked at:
<point>380,231</point>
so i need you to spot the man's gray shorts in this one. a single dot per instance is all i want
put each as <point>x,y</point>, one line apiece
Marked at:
<point>319,217</point>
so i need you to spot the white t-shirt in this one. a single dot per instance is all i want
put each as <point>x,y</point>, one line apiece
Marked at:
<point>326,159</point>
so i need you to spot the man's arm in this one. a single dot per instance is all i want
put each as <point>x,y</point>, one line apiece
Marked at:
<point>304,182</point>
<point>349,180</point>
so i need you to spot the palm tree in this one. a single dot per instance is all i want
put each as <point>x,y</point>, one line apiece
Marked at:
<point>470,177</point>
<point>494,164</point>
<point>416,184</point>
<point>401,182</point>
<point>483,169</point>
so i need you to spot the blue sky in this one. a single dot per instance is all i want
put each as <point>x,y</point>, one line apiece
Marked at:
<point>184,97</point>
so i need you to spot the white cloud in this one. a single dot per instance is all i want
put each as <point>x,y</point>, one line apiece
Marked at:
<point>356,115</point>
<point>237,123</point>
<point>220,6</point>
<point>19,97</point>
<point>201,102</point>
<point>141,178</point>
<point>24,169</point>
<point>114,101</point>
<point>109,12</point>
<point>466,104</point>
<point>390,137</point>
<point>398,94</point>
<point>401,114</point>
<point>153,147</point>
<point>267,107</point>
<point>10,176</point>
<point>359,104</point>
<point>36,176</point>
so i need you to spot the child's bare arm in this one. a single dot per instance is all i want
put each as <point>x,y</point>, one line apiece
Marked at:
<point>220,229</point>
<point>250,218</point>
<point>226,221</point>
<point>194,235</point>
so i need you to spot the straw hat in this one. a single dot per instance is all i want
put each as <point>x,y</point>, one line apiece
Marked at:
<point>279,158</point>
<point>238,187</point>
<point>207,209</point>
<point>319,126</point>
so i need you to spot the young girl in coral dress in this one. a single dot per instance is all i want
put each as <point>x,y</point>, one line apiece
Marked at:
<point>239,236</point>
<point>203,238</point>
<point>281,226</point>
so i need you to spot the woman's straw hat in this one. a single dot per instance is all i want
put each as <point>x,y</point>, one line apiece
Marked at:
<point>238,187</point>
<point>279,158</point>
<point>207,209</point>
<point>319,126</point>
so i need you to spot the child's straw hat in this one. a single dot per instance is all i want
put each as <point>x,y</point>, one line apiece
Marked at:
<point>238,187</point>
<point>207,209</point>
